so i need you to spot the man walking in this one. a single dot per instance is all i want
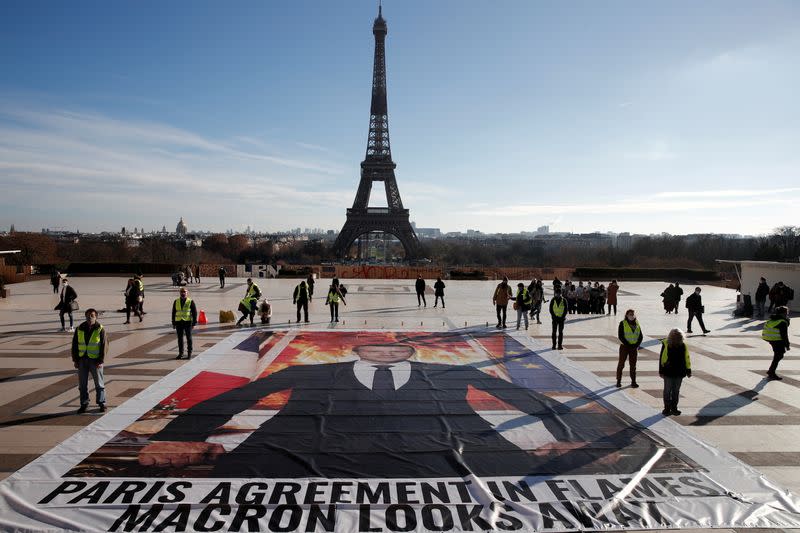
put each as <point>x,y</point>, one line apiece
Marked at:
<point>137,279</point>
<point>334,295</point>
<point>184,318</point>
<point>222,277</point>
<point>630,336</point>
<point>420,287</point>
<point>67,304</point>
<point>55,280</point>
<point>558,315</point>
<point>776,333</point>
<point>502,294</point>
<point>694,303</point>
<point>89,348</point>
<point>300,298</point>
<point>762,291</point>
<point>247,305</point>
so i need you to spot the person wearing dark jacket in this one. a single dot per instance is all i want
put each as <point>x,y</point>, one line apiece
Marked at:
<point>420,288</point>
<point>674,364</point>
<point>89,349</point>
<point>132,301</point>
<point>558,315</point>
<point>222,277</point>
<point>310,284</point>
<point>301,298</point>
<point>630,336</point>
<point>762,291</point>
<point>438,291</point>
<point>678,296</point>
<point>669,298</point>
<point>334,296</point>
<point>776,333</point>
<point>694,304</point>
<point>184,318</point>
<point>537,294</point>
<point>55,280</point>
<point>65,304</point>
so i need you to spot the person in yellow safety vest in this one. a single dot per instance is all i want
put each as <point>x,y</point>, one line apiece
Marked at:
<point>300,297</point>
<point>89,348</point>
<point>184,318</point>
<point>630,336</point>
<point>334,295</point>
<point>558,315</point>
<point>776,333</point>
<point>522,303</point>
<point>137,279</point>
<point>248,304</point>
<point>674,364</point>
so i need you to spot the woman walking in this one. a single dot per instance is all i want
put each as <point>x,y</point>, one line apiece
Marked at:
<point>673,365</point>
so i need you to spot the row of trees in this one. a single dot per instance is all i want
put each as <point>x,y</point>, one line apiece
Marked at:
<point>668,251</point>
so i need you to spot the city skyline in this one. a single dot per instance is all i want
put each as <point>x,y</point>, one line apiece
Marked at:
<point>675,118</point>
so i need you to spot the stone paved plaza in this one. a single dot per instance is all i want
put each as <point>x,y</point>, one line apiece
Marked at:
<point>727,403</point>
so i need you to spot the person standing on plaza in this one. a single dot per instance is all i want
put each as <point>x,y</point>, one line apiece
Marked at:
<point>776,333</point>
<point>630,336</point>
<point>678,292</point>
<point>247,305</point>
<point>184,318</point>
<point>558,316</point>
<point>674,364</point>
<point>502,294</point>
<point>89,349</point>
<point>438,291</point>
<point>67,303</point>
<point>55,280</point>
<point>334,296</point>
<point>522,303</point>
<point>694,304</point>
<point>537,295</point>
<point>197,273</point>
<point>762,291</point>
<point>310,284</point>
<point>612,290</point>
<point>132,301</point>
<point>420,288</point>
<point>222,274</point>
<point>301,298</point>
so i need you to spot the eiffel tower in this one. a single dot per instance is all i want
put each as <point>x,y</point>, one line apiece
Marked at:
<point>378,166</point>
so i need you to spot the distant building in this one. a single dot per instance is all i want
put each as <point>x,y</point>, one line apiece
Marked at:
<point>624,241</point>
<point>181,229</point>
<point>428,233</point>
<point>543,230</point>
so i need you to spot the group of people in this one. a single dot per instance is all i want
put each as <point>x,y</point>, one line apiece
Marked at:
<point>438,292</point>
<point>591,298</point>
<point>90,340</point>
<point>779,295</point>
<point>671,298</point>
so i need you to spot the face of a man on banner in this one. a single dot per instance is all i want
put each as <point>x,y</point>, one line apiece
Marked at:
<point>386,354</point>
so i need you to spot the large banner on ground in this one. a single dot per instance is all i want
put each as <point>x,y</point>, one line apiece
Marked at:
<point>375,431</point>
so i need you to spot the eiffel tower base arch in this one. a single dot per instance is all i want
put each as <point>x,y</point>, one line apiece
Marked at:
<point>358,224</point>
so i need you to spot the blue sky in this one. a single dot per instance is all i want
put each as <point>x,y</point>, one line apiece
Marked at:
<point>647,117</point>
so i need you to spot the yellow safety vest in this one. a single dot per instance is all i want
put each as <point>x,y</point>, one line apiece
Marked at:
<point>523,298</point>
<point>665,350</point>
<point>631,335</point>
<point>248,302</point>
<point>333,297</point>
<point>92,348</point>
<point>771,333</point>
<point>251,291</point>
<point>559,308</point>
<point>140,284</point>
<point>184,314</point>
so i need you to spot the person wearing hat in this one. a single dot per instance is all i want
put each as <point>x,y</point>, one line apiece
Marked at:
<point>184,318</point>
<point>89,348</point>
